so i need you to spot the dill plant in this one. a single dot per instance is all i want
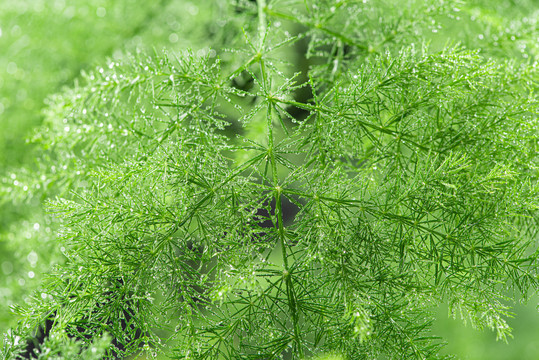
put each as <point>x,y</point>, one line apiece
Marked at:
<point>411,174</point>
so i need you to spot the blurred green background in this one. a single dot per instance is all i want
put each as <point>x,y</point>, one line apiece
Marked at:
<point>45,44</point>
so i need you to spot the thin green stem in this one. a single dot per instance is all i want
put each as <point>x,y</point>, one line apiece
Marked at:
<point>291,294</point>
<point>262,22</point>
<point>271,154</point>
<point>279,213</point>
<point>262,28</point>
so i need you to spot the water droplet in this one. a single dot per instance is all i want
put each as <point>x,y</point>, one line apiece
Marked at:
<point>192,9</point>
<point>11,68</point>
<point>7,267</point>
<point>101,12</point>
<point>173,38</point>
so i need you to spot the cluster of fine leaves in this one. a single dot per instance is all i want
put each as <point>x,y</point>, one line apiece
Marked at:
<point>44,45</point>
<point>253,203</point>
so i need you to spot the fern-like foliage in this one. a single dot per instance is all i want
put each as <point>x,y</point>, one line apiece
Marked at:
<point>411,173</point>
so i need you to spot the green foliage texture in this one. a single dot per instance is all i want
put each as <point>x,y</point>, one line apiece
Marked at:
<point>404,137</point>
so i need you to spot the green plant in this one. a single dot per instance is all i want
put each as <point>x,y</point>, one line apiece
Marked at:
<point>411,173</point>
<point>44,45</point>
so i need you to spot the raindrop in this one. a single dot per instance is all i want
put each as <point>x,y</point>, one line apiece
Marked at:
<point>173,38</point>
<point>7,267</point>
<point>101,12</point>
<point>11,68</point>
<point>192,9</point>
<point>69,12</point>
